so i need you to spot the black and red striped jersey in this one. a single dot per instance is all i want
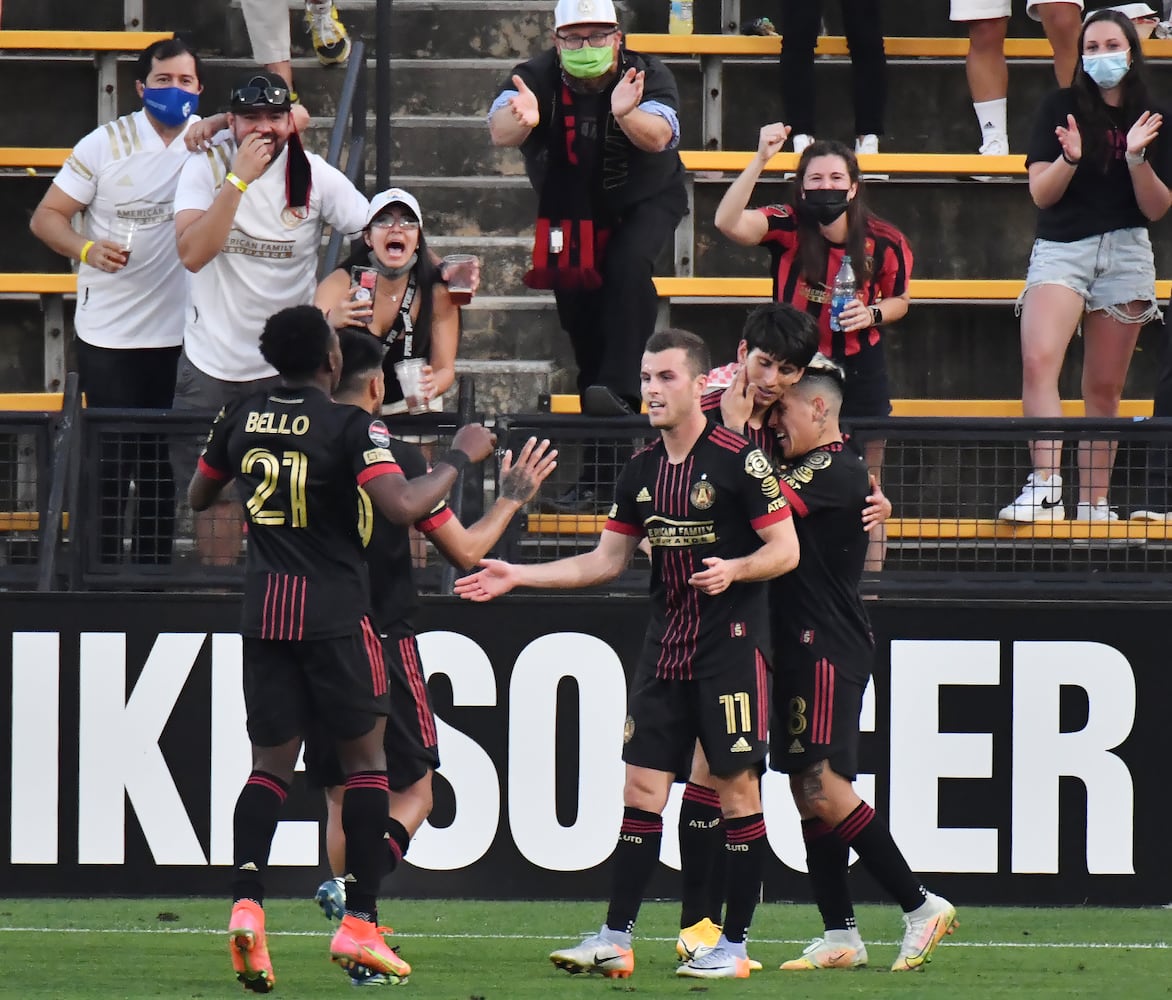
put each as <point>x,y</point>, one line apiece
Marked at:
<point>710,504</point>
<point>817,605</point>
<point>298,460</point>
<point>888,264</point>
<point>393,594</point>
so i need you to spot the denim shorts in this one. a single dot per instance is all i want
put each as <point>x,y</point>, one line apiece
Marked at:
<point>1108,271</point>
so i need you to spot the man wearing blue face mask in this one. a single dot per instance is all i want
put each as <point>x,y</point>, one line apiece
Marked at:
<point>598,126</point>
<point>131,287</point>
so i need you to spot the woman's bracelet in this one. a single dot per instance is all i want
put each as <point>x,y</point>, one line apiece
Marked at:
<point>86,248</point>
<point>1073,163</point>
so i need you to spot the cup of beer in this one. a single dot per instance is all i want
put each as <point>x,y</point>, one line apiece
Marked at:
<point>409,372</point>
<point>458,269</point>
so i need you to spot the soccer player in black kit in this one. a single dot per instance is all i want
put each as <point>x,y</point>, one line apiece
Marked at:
<point>709,504</point>
<point>824,652</point>
<point>311,654</point>
<point>410,739</point>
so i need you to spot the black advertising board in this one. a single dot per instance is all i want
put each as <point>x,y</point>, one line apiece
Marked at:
<point>1017,750</point>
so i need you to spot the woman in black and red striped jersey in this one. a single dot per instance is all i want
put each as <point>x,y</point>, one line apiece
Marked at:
<point>807,240</point>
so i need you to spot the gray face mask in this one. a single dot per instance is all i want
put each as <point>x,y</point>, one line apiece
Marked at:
<point>392,272</point>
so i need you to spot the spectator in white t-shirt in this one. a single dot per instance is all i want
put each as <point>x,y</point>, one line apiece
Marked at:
<point>248,219</point>
<point>129,317</point>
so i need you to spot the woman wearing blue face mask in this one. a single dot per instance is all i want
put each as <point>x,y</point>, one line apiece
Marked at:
<point>1099,172</point>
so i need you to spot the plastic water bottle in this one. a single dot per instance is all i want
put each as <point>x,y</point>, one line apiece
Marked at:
<point>845,286</point>
<point>679,17</point>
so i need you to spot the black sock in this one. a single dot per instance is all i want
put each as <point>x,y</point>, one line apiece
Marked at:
<point>364,821</point>
<point>253,825</point>
<point>745,845</point>
<point>398,840</point>
<point>631,867</point>
<point>827,859</point>
<point>869,836</point>
<point>701,853</point>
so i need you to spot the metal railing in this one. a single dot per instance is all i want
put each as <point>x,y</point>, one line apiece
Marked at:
<point>352,108</point>
<point>81,508</point>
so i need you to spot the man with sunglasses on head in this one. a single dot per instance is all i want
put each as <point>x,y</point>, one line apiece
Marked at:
<point>598,126</point>
<point>248,218</point>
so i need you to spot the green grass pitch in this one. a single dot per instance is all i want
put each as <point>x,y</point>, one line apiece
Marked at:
<point>466,950</point>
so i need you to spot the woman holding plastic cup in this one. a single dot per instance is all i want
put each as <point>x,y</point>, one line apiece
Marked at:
<point>393,286</point>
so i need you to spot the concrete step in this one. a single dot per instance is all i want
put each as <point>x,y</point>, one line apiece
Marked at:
<point>471,205</point>
<point>503,29</point>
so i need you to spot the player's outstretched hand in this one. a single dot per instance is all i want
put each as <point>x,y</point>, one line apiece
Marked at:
<point>495,578</point>
<point>475,441</point>
<point>520,482</point>
<point>878,507</point>
<point>720,573</point>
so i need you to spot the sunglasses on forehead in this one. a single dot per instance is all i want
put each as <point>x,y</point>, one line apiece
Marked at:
<point>277,97</point>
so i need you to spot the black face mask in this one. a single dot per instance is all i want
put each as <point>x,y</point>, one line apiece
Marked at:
<point>823,205</point>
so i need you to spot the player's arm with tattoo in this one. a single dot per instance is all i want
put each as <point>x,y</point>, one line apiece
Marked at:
<point>465,547</point>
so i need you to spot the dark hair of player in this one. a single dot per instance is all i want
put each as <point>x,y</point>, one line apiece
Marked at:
<point>362,358</point>
<point>165,48</point>
<point>784,333</point>
<point>699,360</point>
<point>296,341</point>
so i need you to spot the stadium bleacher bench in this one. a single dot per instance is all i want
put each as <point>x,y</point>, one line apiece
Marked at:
<point>835,45</point>
<point>922,529</point>
<point>81,41</point>
<point>922,289</point>
<point>949,164</point>
<point>103,46</point>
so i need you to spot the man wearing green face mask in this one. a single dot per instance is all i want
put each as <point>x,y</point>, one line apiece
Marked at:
<point>598,126</point>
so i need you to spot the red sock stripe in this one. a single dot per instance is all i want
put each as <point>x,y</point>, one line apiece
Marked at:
<point>641,826</point>
<point>855,823</point>
<point>702,794</point>
<point>269,782</point>
<point>821,726</point>
<point>744,834</point>
<point>374,654</point>
<point>409,652</point>
<point>368,779</point>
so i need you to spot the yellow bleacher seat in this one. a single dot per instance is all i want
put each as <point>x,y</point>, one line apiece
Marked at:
<point>963,164</point>
<point>945,289</point>
<point>937,529</point>
<point>85,41</point>
<point>835,45</point>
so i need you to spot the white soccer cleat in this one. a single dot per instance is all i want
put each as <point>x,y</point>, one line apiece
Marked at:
<point>837,950</point>
<point>715,963</point>
<point>923,930</point>
<point>596,956</point>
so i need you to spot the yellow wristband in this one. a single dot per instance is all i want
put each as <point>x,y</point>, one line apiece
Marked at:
<point>85,250</point>
<point>236,182</point>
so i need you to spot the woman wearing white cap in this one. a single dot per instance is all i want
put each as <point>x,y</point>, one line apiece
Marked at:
<point>411,309</point>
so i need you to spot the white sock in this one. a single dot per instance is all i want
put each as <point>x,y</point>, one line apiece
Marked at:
<point>993,117</point>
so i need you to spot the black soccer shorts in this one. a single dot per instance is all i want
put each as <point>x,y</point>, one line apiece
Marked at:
<point>728,713</point>
<point>293,686</point>
<point>815,717</point>
<point>410,740</point>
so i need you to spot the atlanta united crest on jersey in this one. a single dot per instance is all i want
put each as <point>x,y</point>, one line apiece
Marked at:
<point>709,505</point>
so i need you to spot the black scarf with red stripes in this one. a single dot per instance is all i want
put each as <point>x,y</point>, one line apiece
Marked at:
<point>570,202</point>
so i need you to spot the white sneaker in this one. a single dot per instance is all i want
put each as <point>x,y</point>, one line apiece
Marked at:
<point>801,141</point>
<point>1098,511</point>
<point>715,963</point>
<point>866,144</point>
<point>923,930</point>
<point>1039,501</point>
<point>598,956</point>
<point>839,949</point>
<point>1159,516</point>
<point>998,145</point>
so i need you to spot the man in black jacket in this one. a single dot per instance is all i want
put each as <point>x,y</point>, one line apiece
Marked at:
<point>598,126</point>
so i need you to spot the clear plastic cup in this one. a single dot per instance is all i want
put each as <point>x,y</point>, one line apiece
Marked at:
<point>122,234</point>
<point>458,269</point>
<point>409,372</point>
